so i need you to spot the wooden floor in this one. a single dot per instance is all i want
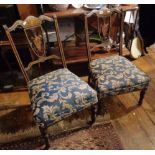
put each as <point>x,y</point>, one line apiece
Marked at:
<point>135,124</point>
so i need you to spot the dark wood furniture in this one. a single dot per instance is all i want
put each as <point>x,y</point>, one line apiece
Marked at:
<point>27,10</point>
<point>49,102</point>
<point>5,47</point>
<point>113,75</point>
<point>79,52</point>
<point>75,55</point>
<point>67,13</point>
<point>30,9</point>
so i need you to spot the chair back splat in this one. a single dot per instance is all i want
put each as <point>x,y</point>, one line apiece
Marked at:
<point>100,37</point>
<point>36,37</point>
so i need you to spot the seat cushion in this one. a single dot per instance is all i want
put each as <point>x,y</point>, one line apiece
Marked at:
<point>115,75</point>
<point>59,94</point>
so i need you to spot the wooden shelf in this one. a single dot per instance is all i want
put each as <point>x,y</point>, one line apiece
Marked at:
<point>67,13</point>
<point>76,55</point>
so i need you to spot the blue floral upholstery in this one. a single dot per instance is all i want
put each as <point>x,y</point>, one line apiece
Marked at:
<point>115,75</point>
<point>59,94</point>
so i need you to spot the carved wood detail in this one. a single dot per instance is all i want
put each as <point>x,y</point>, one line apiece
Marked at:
<point>36,41</point>
<point>30,21</point>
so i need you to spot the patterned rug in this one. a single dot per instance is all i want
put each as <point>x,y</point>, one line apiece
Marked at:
<point>97,137</point>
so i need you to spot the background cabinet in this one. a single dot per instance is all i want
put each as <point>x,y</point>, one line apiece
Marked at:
<point>26,10</point>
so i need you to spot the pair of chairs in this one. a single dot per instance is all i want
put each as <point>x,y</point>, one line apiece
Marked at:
<point>60,93</point>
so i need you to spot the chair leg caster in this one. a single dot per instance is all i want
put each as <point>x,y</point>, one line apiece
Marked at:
<point>142,94</point>
<point>93,114</point>
<point>44,135</point>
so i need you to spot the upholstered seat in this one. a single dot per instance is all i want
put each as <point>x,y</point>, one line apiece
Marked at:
<point>57,95</point>
<point>115,75</point>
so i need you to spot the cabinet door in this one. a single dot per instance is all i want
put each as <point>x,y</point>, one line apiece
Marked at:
<point>26,10</point>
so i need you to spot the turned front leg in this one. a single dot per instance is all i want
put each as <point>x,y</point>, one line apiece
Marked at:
<point>44,135</point>
<point>142,94</point>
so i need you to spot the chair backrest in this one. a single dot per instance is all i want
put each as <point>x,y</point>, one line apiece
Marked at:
<point>34,32</point>
<point>103,30</point>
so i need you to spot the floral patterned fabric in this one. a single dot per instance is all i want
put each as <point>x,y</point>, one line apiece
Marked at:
<point>115,75</point>
<point>59,94</point>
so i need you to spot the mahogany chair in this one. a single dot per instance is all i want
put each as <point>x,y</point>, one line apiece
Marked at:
<point>57,94</point>
<point>113,75</point>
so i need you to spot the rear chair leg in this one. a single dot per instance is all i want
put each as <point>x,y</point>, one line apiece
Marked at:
<point>93,114</point>
<point>89,79</point>
<point>142,94</point>
<point>44,135</point>
<point>99,104</point>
